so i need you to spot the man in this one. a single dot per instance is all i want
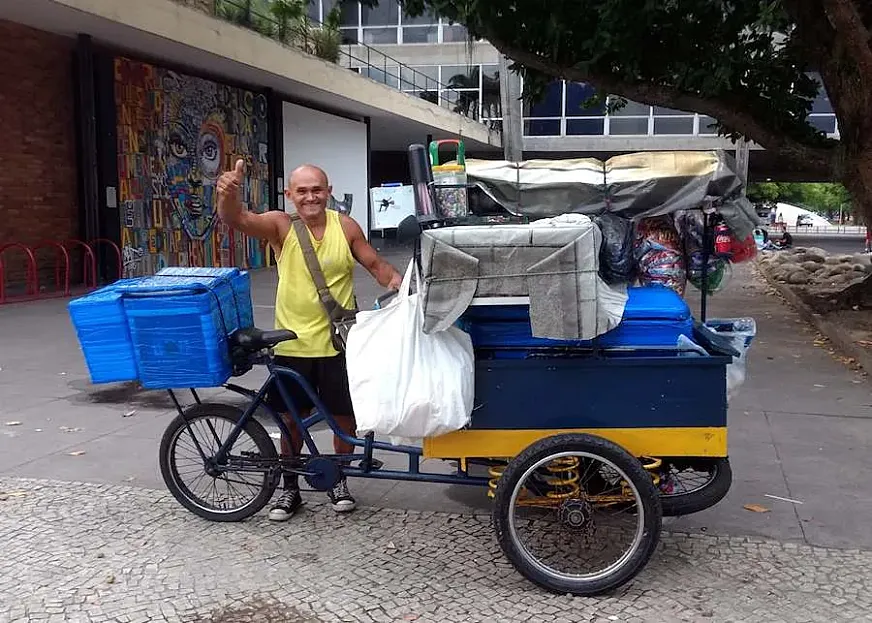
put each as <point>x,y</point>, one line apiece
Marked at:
<point>338,241</point>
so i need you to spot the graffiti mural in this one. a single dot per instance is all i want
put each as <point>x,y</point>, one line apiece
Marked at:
<point>176,134</point>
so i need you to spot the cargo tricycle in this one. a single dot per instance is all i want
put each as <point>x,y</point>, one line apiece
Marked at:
<point>582,448</point>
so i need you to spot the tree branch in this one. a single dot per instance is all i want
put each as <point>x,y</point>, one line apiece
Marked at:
<point>655,95</point>
<point>848,24</point>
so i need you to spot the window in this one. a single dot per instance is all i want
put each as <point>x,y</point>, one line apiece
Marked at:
<point>824,123</point>
<point>585,127</point>
<point>673,125</point>
<point>350,14</point>
<point>707,126</point>
<point>465,102</point>
<point>420,34</point>
<point>576,94</point>
<point>453,33</point>
<point>542,127</point>
<point>380,35</point>
<point>632,109</point>
<point>461,77</point>
<point>628,127</point>
<point>420,78</point>
<point>425,19</point>
<point>349,36</point>
<point>821,103</point>
<point>315,10</point>
<point>550,105</point>
<point>386,13</point>
<point>388,75</point>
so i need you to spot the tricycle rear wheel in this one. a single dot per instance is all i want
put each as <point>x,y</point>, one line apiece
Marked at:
<point>539,485</point>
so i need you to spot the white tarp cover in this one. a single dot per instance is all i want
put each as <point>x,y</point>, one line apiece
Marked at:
<point>554,262</point>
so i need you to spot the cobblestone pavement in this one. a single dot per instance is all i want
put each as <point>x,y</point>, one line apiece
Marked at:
<point>96,552</point>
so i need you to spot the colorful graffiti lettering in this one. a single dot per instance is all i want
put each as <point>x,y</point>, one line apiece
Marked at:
<point>176,134</point>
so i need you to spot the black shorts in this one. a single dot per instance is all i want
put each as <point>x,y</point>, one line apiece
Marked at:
<point>327,376</point>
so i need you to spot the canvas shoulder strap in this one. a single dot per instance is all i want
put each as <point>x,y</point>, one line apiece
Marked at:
<point>313,265</point>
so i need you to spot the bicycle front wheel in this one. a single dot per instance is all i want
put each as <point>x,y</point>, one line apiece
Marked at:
<point>236,491</point>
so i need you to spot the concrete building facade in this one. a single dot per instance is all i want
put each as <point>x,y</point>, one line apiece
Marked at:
<point>121,116</point>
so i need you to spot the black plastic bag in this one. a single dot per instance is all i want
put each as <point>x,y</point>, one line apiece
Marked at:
<point>616,252</point>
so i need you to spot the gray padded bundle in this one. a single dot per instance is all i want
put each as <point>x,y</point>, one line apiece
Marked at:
<point>554,262</point>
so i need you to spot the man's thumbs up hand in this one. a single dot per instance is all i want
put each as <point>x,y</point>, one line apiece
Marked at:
<point>230,181</point>
<point>239,170</point>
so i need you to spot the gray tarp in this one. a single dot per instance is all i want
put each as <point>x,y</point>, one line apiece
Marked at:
<point>633,186</point>
<point>554,262</point>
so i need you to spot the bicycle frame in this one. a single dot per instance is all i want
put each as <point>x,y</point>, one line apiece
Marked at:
<point>368,466</point>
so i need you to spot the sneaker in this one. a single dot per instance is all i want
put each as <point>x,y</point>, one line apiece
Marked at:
<point>288,504</point>
<point>341,499</point>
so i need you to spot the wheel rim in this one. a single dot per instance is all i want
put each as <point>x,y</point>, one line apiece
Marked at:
<point>575,514</point>
<point>678,482</point>
<point>210,439</point>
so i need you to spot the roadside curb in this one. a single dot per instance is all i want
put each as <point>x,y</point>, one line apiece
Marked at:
<point>828,329</point>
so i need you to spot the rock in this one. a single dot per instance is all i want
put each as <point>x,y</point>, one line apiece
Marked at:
<point>780,258</point>
<point>832,260</point>
<point>817,252</point>
<point>838,278</point>
<point>861,268</point>
<point>798,278</point>
<point>812,266</point>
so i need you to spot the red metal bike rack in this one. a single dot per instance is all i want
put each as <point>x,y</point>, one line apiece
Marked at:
<point>90,264</point>
<point>120,261</point>
<point>31,278</point>
<point>60,255</point>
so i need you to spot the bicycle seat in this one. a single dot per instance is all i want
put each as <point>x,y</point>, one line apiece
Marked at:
<point>254,339</point>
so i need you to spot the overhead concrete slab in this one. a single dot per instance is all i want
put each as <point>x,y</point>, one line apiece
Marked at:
<point>164,31</point>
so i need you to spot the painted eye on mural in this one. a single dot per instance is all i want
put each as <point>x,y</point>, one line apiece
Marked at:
<point>177,146</point>
<point>210,155</point>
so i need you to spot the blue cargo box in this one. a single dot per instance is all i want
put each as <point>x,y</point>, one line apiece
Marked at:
<point>179,324</point>
<point>168,330</point>
<point>654,317</point>
<point>104,337</point>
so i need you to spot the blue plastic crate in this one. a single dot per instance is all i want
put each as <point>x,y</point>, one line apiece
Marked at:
<point>654,317</point>
<point>179,325</point>
<point>179,340</point>
<point>240,282</point>
<point>104,337</point>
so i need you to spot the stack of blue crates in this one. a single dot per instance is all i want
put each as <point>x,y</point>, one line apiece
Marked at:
<point>166,331</point>
<point>104,336</point>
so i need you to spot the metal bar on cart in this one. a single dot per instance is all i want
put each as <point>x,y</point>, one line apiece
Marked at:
<point>707,243</point>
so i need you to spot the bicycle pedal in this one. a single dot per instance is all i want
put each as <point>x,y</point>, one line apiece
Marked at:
<point>374,464</point>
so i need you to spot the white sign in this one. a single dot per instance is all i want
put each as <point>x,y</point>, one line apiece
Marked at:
<point>390,205</point>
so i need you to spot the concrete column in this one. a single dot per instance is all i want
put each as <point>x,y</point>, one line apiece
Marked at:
<point>513,112</point>
<point>743,152</point>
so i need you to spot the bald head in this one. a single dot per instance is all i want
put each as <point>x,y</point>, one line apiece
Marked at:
<point>309,189</point>
<point>305,171</point>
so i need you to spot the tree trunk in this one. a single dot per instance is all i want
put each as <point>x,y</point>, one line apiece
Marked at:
<point>857,178</point>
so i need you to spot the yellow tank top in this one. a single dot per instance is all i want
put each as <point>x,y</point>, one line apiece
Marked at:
<point>298,307</point>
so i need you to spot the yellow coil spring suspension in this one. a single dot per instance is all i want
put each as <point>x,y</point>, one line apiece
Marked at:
<point>564,476</point>
<point>562,479</point>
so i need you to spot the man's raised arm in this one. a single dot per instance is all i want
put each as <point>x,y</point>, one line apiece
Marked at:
<point>230,209</point>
